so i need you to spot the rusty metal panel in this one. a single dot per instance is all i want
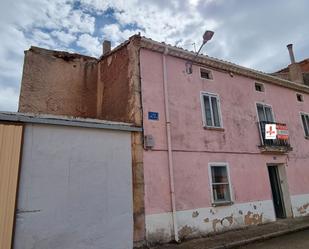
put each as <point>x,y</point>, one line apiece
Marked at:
<point>10,147</point>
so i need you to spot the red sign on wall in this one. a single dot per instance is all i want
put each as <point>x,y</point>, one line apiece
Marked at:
<point>282,132</point>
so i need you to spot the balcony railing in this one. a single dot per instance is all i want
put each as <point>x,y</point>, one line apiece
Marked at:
<point>280,144</point>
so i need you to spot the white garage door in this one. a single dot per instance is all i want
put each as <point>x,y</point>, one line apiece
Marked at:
<point>75,189</point>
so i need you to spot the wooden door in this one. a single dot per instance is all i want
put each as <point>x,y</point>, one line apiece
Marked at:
<point>10,149</point>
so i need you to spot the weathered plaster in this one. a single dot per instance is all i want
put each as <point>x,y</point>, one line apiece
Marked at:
<point>210,220</point>
<point>300,205</point>
<point>58,83</point>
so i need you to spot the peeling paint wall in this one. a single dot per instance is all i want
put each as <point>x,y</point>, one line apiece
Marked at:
<point>208,220</point>
<point>75,189</point>
<point>58,83</point>
<point>300,205</point>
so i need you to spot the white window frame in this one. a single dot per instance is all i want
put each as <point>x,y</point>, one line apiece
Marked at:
<point>262,103</point>
<point>203,93</point>
<point>302,124</point>
<point>220,164</point>
<point>210,71</point>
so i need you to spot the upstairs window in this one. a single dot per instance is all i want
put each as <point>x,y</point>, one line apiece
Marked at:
<point>211,110</point>
<point>206,74</point>
<point>300,97</point>
<point>265,113</point>
<point>305,120</point>
<point>220,183</point>
<point>259,87</point>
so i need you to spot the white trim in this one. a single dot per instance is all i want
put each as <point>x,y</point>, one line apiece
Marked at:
<point>217,164</point>
<point>202,94</point>
<point>210,71</point>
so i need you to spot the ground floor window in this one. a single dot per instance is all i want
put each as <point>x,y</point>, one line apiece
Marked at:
<point>220,183</point>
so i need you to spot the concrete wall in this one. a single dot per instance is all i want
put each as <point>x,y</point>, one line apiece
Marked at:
<point>58,83</point>
<point>75,189</point>
<point>194,147</point>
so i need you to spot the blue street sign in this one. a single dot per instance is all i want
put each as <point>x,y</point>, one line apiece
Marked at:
<point>153,115</point>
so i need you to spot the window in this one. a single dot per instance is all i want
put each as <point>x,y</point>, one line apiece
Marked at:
<point>305,120</point>
<point>300,97</point>
<point>211,110</point>
<point>259,87</point>
<point>220,183</point>
<point>206,74</point>
<point>265,113</point>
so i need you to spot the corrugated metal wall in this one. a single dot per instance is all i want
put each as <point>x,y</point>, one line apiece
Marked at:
<point>10,146</point>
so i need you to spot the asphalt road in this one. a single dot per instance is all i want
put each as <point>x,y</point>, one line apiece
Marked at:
<point>298,240</point>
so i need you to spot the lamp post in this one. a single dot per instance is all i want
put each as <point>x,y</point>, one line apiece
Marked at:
<point>206,37</point>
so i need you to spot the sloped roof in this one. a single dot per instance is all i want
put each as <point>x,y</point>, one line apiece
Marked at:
<point>304,63</point>
<point>208,61</point>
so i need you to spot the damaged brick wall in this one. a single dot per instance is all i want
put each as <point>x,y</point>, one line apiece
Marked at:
<point>58,83</point>
<point>114,87</point>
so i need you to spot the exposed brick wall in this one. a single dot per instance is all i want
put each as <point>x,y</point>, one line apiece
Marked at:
<point>113,86</point>
<point>58,83</point>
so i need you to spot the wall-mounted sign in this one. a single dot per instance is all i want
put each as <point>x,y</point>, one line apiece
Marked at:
<point>276,131</point>
<point>282,132</point>
<point>153,115</point>
<point>270,131</point>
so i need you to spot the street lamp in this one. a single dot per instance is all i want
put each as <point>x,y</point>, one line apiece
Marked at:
<point>206,37</point>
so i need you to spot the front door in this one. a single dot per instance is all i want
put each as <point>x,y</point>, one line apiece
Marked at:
<point>276,191</point>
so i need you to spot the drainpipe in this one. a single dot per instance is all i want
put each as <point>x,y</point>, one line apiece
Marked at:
<point>169,147</point>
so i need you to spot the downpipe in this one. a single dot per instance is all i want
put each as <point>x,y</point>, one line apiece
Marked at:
<point>169,147</point>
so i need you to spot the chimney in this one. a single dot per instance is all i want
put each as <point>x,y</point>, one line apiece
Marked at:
<point>290,48</point>
<point>106,47</point>
<point>295,73</point>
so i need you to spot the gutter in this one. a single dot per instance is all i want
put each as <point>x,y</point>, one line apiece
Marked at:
<point>169,147</point>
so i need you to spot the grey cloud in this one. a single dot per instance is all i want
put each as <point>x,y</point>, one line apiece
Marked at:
<point>257,31</point>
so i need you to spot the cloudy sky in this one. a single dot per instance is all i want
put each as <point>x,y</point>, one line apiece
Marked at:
<point>250,33</point>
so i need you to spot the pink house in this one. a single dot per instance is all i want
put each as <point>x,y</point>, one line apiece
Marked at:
<point>222,147</point>
<point>209,167</point>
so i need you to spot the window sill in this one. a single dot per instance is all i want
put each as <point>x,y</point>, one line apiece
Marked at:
<point>226,203</point>
<point>213,128</point>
